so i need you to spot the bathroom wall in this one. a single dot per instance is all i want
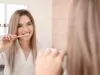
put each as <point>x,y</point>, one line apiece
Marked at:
<point>60,23</point>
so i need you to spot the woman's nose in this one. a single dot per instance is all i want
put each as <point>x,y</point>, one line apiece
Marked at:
<point>25,28</point>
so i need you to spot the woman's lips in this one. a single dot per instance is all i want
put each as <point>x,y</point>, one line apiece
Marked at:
<point>26,34</point>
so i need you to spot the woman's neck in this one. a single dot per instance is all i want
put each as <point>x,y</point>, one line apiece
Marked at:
<point>25,45</point>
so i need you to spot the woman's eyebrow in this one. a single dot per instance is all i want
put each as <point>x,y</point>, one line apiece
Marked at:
<point>26,23</point>
<point>29,22</point>
<point>19,24</point>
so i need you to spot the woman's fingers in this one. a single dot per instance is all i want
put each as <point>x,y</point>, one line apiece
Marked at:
<point>8,40</point>
<point>49,62</point>
<point>62,54</point>
<point>9,37</point>
<point>13,37</point>
<point>55,52</point>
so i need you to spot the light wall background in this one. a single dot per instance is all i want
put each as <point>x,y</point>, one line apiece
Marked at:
<point>60,23</point>
<point>42,13</point>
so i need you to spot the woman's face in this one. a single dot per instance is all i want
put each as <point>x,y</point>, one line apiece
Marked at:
<point>25,27</point>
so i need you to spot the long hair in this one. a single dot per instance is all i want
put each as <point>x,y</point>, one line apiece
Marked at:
<point>84,38</point>
<point>12,29</point>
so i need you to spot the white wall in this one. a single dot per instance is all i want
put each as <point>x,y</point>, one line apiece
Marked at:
<point>42,12</point>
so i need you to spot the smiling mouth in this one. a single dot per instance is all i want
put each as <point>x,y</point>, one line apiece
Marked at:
<point>26,34</point>
<point>23,35</point>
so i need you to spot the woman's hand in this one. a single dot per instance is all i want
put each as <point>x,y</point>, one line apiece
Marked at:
<point>7,41</point>
<point>49,62</point>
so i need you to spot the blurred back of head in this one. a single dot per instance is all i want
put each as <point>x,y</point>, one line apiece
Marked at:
<point>84,38</point>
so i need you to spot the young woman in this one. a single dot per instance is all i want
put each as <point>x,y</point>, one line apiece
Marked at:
<point>83,51</point>
<point>18,48</point>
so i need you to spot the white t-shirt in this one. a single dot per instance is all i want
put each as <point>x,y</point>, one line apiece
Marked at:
<point>23,66</point>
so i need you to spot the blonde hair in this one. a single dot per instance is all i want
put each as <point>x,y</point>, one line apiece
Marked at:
<point>84,38</point>
<point>12,29</point>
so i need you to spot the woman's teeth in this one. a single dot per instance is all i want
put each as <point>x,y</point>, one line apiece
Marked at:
<point>26,34</point>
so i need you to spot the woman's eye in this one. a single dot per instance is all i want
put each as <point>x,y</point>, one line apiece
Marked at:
<point>19,25</point>
<point>29,23</point>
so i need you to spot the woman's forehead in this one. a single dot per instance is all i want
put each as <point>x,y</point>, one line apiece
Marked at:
<point>24,19</point>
